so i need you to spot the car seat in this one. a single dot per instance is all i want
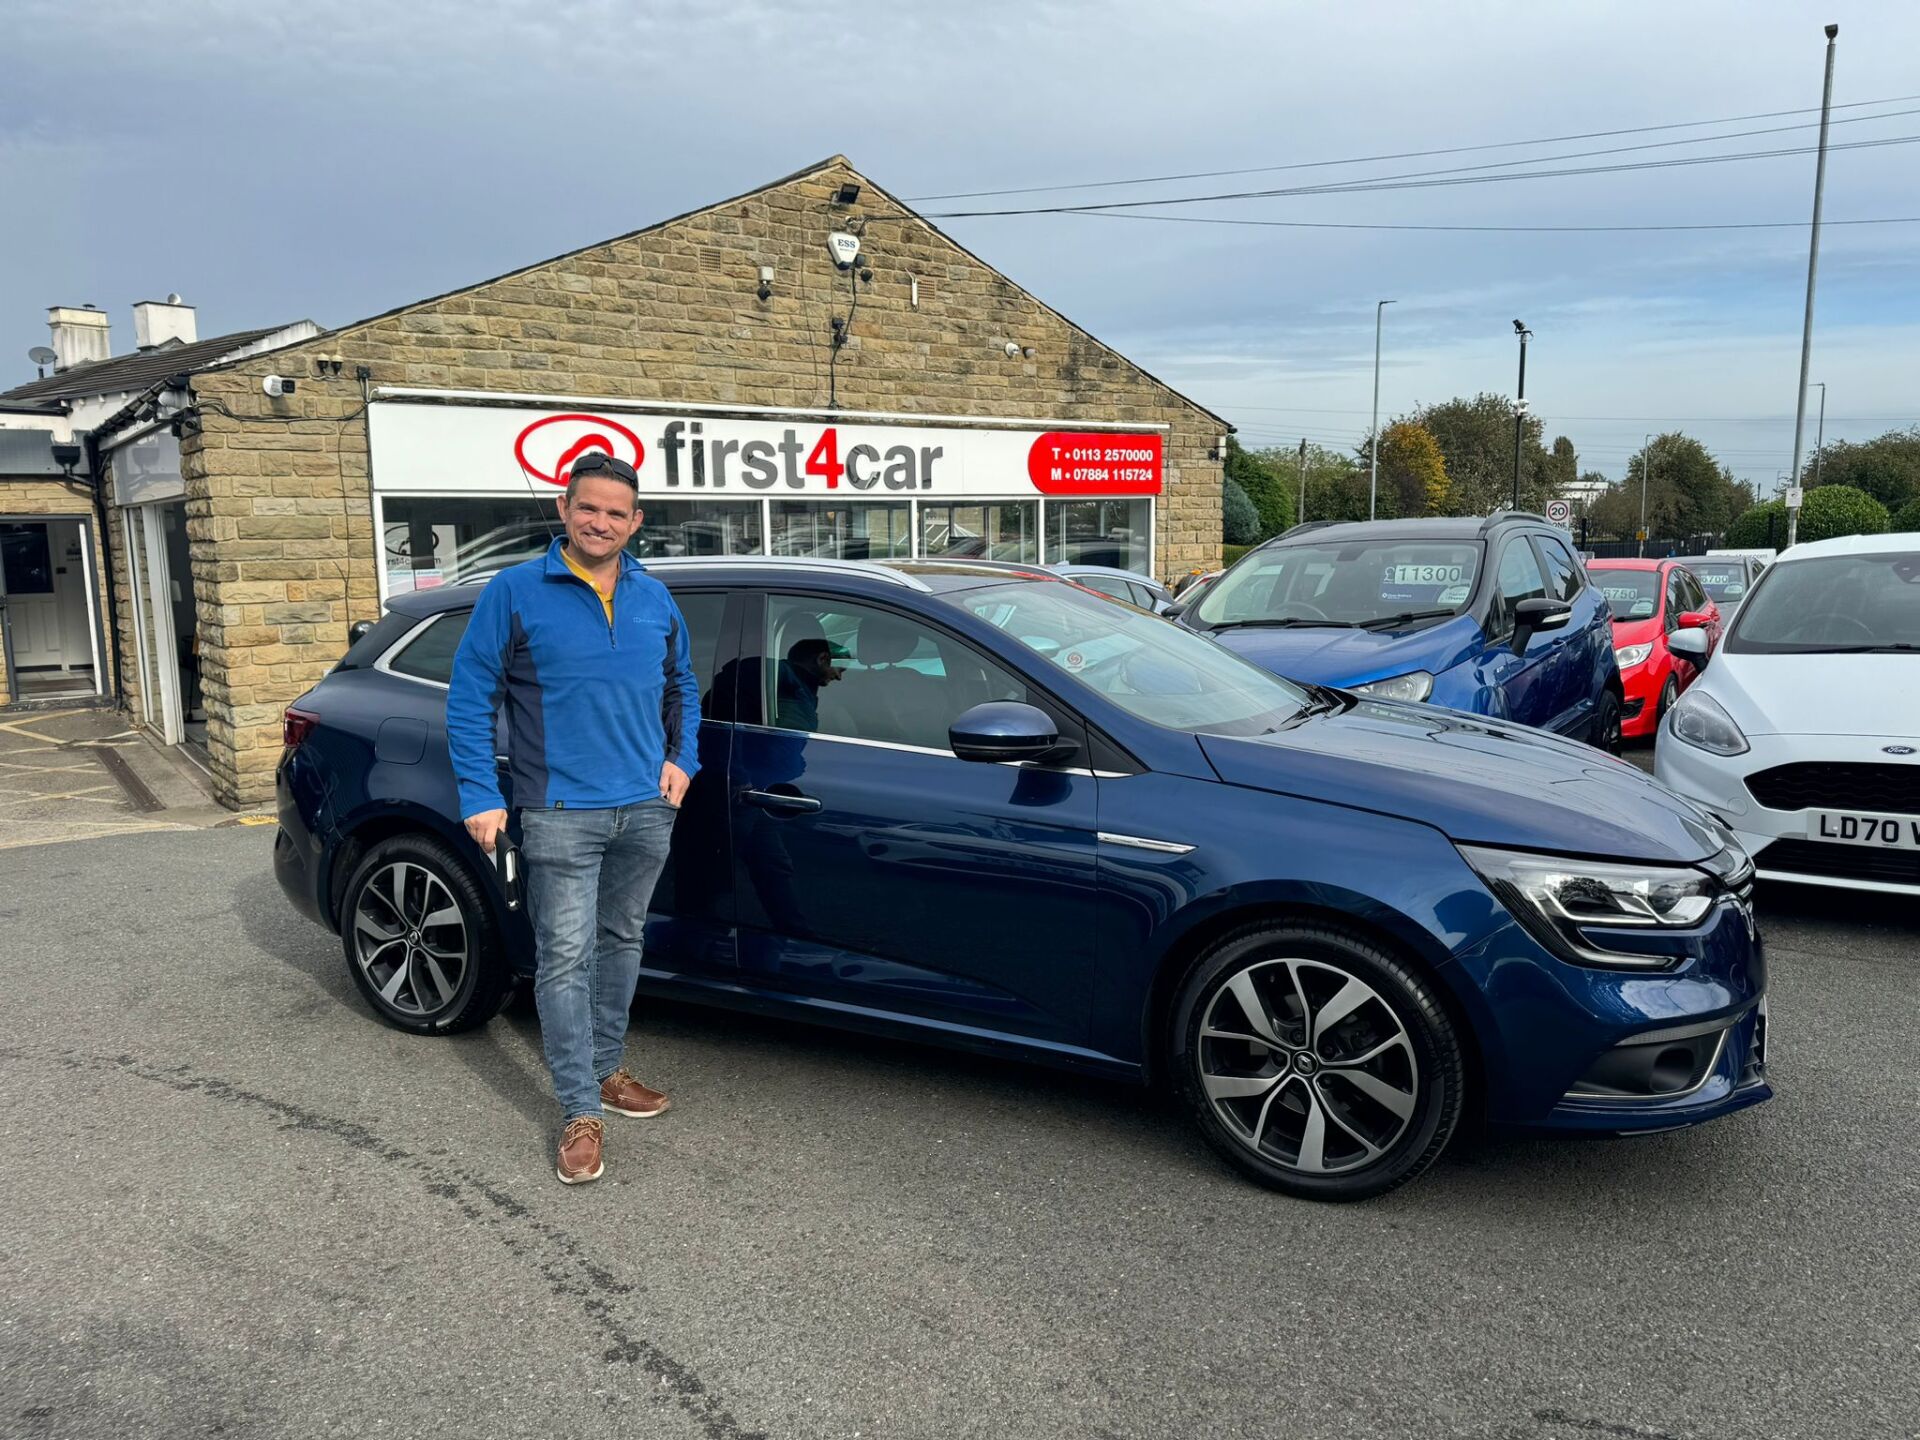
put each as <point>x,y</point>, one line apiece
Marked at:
<point>884,699</point>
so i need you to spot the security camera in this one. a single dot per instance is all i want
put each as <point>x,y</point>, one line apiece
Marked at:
<point>844,248</point>
<point>278,385</point>
<point>1518,328</point>
<point>1012,349</point>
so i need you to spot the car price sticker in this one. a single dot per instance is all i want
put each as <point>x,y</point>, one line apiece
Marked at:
<point>1425,574</point>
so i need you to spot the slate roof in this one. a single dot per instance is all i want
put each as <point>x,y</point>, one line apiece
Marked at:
<point>137,371</point>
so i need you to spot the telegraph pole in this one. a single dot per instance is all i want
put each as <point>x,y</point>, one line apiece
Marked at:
<point>1813,269</point>
<point>1820,436</point>
<point>1300,514</point>
<point>1373,442</point>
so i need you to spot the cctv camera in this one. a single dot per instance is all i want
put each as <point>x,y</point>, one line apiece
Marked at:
<point>276,386</point>
<point>1012,350</point>
<point>1518,328</point>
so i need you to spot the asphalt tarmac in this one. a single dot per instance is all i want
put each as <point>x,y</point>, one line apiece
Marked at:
<point>232,1203</point>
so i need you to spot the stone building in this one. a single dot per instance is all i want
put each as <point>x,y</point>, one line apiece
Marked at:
<point>915,402</point>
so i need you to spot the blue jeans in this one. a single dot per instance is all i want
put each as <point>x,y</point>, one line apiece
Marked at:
<point>590,876</point>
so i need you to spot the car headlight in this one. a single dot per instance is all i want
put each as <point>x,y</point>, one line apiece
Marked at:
<point>1631,655</point>
<point>1573,906</point>
<point>1415,685</point>
<point>1699,720</point>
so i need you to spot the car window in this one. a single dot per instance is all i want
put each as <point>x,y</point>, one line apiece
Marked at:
<point>1632,594</point>
<point>1676,600</point>
<point>703,610</point>
<point>833,667</point>
<point>1351,583</point>
<point>1563,576</point>
<point>1518,579</point>
<point>1833,604</point>
<point>1725,580</point>
<point>1118,589</point>
<point>1696,597</point>
<point>429,655</point>
<point>1143,597</point>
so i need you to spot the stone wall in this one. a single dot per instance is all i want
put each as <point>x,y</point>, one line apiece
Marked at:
<point>277,489</point>
<point>61,500</point>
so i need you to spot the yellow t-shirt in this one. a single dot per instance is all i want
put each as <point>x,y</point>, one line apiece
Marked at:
<point>606,596</point>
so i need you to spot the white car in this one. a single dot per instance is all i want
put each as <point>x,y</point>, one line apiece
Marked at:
<point>1803,734</point>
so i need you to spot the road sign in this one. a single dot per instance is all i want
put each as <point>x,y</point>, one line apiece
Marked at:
<point>1794,495</point>
<point>1640,535</point>
<point>1559,511</point>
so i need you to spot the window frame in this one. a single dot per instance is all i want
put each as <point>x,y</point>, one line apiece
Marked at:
<point>384,664</point>
<point>1551,548</point>
<point>1496,609</point>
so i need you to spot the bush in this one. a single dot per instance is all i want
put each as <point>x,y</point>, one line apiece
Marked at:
<point>1835,510</point>
<point>1751,530</point>
<point>1907,521</point>
<point>1240,522</point>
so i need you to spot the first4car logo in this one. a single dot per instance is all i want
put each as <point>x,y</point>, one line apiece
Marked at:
<point>757,457</point>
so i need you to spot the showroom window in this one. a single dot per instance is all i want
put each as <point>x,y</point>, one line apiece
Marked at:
<point>857,530</point>
<point>1101,532</point>
<point>697,527</point>
<point>995,530</point>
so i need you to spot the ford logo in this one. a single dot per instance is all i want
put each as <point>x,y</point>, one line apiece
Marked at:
<point>1896,749</point>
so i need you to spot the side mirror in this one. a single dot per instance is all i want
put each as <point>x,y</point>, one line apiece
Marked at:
<point>1690,643</point>
<point>1694,620</point>
<point>1002,730</point>
<point>1173,611</point>
<point>1532,616</point>
<point>357,631</point>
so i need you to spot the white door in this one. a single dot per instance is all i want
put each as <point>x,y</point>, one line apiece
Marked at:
<point>33,602</point>
<point>70,593</point>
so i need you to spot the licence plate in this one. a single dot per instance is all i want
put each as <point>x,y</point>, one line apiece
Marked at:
<point>1849,827</point>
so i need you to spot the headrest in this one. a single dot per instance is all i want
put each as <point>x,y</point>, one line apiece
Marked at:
<point>883,640</point>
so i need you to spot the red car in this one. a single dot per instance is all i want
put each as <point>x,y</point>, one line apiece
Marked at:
<point>1651,599</point>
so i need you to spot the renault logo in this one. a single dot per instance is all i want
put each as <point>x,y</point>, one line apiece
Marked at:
<point>1896,749</point>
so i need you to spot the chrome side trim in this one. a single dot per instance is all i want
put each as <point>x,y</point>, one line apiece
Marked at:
<point>926,750</point>
<point>1142,842</point>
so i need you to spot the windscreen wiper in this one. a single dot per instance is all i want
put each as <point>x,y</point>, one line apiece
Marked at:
<point>1287,623</point>
<point>1405,617</point>
<point>1896,647</point>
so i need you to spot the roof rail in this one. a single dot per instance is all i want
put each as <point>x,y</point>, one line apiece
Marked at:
<point>872,569</point>
<point>1498,516</point>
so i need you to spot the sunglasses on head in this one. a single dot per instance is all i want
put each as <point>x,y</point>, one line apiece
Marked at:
<point>595,461</point>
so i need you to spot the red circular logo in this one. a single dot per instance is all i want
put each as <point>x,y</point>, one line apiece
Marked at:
<point>547,448</point>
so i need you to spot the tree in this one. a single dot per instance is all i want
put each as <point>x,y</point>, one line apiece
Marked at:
<point>1835,510</point>
<point>1887,468</point>
<point>1336,486</point>
<point>1412,467</point>
<point>1908,520</point>
<point>1688,491</point>
<point>1261,477</point>
<point>1476,445</point>
<point>1759,526</point>
<point>1240,522</point>
<point>1563,466</point>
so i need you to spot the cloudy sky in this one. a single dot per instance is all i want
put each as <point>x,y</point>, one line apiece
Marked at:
<point>275,161</point>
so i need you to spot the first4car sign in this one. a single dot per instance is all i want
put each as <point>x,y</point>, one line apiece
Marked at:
<point>468,448</point>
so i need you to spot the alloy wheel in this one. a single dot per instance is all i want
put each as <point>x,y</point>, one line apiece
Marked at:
<point>1308,1066</point>
<point>410,939</point>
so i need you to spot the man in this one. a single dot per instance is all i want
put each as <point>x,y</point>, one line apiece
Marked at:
<point>589,655</point>
<point>808,669</point>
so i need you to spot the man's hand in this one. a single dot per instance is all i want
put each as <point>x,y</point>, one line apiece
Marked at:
<point>487,827</point>
<point>673,784</point>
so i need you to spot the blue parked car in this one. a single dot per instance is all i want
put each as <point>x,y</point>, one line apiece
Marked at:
<point>988,809</point>
<point>1493,617</point>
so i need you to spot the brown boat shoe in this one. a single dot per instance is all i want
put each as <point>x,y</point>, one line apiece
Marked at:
<point>580,1146</point>
<point>624,1095</point>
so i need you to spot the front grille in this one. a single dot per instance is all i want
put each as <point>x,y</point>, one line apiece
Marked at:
<point>1754,1069</point>
<point>1842,862</point>
<point>1839,785</point>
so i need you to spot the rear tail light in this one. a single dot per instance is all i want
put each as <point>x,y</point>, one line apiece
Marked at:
<point>299,724</point>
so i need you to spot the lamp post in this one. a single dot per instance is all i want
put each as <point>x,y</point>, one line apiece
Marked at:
<point>1820,439</point>
<point>1300,515</point>
<point>1646,465</point>
<point>1519,408</point>
<point>1813,267</point>
<point>1373,437</point>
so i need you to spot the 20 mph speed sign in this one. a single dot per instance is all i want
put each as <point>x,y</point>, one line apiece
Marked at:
<point>1559,511</point>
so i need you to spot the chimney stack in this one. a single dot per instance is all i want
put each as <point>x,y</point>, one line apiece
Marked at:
<point>79,335</point>
<point>155,322</point>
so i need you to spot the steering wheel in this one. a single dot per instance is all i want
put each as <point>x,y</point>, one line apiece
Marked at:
<point>1314,612</point>
<point>1814,623</point>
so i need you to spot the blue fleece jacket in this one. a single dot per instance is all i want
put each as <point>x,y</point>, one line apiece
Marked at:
<point>593,710</point>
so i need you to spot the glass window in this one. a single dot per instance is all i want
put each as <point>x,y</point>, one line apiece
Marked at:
<point>429,655</point>
<point>1100,532</point>
<point>697,527</point>
<point>1724,580</point>
<point>834,668</point>
<point>1696,598</point>
<point>1003,530</point>
<point>1106,585</point>
<point>26,565</point>
<point>1836,604</point>
<point>1519,579</point>
<point>1632,594</point>
<point>1352,584</point>
<point>851,530</point>
<point>703,611</point>
<point>1147,666</point>
<point>1563,576</point>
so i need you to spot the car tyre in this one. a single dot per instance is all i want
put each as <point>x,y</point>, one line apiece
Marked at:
<point>1669,693</point>
<point>1380,1095</point>
<point>1605,734</point>
<point>420,939</point>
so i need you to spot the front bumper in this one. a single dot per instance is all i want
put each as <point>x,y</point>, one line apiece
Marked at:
<point>1640,709</point>
<point>1784,843</point>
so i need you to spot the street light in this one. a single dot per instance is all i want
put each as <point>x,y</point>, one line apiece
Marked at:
<point>1519,408</point>
<point>1646,464</point>
<point>1373,439</point>
<point>1820,441</point>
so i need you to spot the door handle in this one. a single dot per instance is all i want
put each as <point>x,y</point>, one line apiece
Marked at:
<point>774,800</point>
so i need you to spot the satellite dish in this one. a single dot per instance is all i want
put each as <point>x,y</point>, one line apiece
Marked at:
<point>41,355</point>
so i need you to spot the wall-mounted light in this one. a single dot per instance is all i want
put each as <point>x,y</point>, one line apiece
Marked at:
<point>325,365</point>
<point>66,455</point>
<point>765,292</point>
<point>846,194</point>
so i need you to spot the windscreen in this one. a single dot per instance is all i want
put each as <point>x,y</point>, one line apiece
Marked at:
<point>1633,594</point>
<point>1352,584</point>
<point>1838,604</point>
<point>1724,581</point>
<point>1149,667</point>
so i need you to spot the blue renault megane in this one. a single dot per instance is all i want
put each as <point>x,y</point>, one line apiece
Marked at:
<point>990,809</point>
